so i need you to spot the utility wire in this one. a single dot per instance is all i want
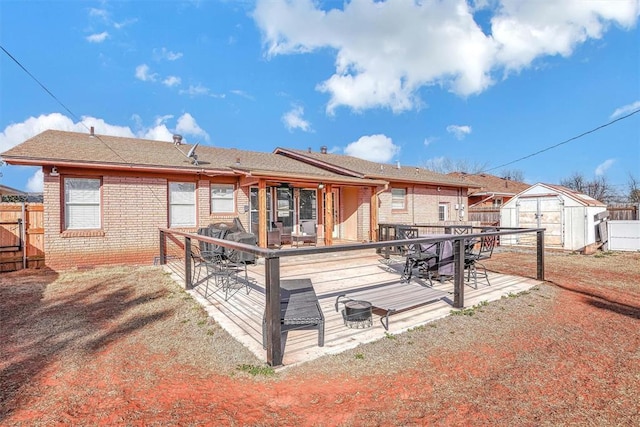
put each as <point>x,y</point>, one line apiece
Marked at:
<point>41,85</point>
<point>69,111</point>
<point>566,141</point>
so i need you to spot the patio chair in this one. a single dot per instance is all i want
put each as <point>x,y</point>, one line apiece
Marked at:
<point>420,258</point>
<point>225,275</point>
<point>475,252</point>
<point>285,233</point>
<point>309,233</point>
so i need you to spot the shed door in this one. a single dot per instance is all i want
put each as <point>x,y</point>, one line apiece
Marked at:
<point>542,212</point>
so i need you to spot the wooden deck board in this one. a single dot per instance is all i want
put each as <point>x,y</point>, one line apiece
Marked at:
<point>366,275</point>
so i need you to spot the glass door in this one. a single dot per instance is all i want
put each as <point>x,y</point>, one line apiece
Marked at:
<point>254,210</point>
<point>284,209</point>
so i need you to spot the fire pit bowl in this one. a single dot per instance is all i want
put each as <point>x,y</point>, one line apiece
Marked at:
<point>357,314</point>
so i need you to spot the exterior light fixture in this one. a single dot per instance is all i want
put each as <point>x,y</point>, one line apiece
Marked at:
<point>320,186</point>
<point>54,171</point>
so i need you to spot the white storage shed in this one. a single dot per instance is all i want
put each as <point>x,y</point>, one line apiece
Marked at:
<point>568,217</point>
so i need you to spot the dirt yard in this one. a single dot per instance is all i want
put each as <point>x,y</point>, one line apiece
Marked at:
<point>126,346</point>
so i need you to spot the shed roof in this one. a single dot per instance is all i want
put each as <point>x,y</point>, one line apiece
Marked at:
<point>552,190</point>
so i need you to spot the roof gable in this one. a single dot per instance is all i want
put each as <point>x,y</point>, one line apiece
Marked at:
<point>368,169</point>
<point>485,184</point>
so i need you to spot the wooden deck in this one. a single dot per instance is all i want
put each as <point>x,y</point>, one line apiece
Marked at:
<point>332,275</point>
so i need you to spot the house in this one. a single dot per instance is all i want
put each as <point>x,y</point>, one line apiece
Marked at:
<point>105,197</point>
<point>489,191</point>
<point>570,219</point>
<point>8,191</point>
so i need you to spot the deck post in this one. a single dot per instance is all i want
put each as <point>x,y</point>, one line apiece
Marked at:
<point>272,311</point>
<point>540,254</point>
<point>187,263</point>
<point>163,248</point>
<point>458,273</point>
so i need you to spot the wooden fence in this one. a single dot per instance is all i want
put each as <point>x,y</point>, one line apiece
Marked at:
<point>21,236</point>
<point>623,212</point>
<point>485,216</point>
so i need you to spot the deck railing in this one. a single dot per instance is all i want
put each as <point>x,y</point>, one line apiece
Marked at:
<point>272,265</point>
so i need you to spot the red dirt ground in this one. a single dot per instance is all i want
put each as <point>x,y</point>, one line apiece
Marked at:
<point>577,363</point>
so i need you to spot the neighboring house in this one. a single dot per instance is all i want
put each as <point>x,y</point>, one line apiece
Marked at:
<point>8,191</point>
<point>105,197</point>
<point>570,219</point>
<point>489,191</point>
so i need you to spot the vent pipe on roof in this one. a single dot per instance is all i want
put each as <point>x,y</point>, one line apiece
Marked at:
<point>91,132</point>
<point>308,149</point>
<point>398,164</point>
<point>323,149</point>
<point>177,139</point>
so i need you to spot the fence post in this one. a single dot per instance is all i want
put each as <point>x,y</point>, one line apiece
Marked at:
<point>163,248</point>
<point>540,254</point>
<point>458,273</point>
<point>272,311</point>
<point>187,263</point>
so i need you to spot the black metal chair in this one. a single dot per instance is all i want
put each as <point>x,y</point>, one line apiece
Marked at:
<point>422,259</point>
<point>475,252</point>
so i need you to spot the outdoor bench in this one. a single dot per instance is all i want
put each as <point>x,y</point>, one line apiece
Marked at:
<point>299,309</point>
<point>393,298</point>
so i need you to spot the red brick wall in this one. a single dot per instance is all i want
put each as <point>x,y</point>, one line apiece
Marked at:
<point>133,208</point>
<point>421,205</point>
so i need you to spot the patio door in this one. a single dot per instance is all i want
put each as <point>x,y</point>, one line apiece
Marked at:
<point>336,213</point>
<point>285,212</point>
<point>253,208</point>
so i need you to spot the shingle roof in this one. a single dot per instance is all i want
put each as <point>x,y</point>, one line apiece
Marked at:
<point>52,146</point>
<point>367,169</point>
<point>486,184</point>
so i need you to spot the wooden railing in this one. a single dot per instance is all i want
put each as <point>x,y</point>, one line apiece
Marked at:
<point>272,266</point>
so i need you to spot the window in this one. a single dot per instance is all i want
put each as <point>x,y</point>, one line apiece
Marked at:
<point>182,204</point>
<point>222,198</point>
<point>398,198</point>
<point>81,203</point>
<point>497,202</point>
<point>443,212</point>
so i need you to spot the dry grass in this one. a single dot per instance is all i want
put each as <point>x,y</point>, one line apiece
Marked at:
<point>128,346</point>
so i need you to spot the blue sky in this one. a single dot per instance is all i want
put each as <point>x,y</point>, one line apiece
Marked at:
<point>482,82</point>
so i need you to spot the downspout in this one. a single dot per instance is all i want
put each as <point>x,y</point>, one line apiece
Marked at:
<point>23,237</point>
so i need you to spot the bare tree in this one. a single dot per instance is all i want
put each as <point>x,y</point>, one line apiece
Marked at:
<point>512,174</point>
<point>634,189</point>
<point>598,188</point>
<point>446,165</point>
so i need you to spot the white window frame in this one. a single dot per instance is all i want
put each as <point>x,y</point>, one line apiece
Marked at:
<point>223,197</point>
<point>443,211</point>
<point>182,204</point>
<point>395,196</point>
<point>82,207</point>
<point>497,202</point>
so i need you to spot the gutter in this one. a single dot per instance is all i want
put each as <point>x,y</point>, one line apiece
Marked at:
<point>105,166</point>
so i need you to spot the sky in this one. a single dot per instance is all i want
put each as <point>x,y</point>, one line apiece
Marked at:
<point>484,83</point>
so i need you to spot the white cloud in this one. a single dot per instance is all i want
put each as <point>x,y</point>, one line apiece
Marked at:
<point>35,183</point>
<point>430,140</point>
<point>459,131</point>
<point>97,38</point>
<point>125,23</point>
<point>626,109</point>
<point>197,90</point>
<point>604,166</point>
<point>98,13</point>
<point>242,93</point>
<point>144,73</point>
<point>164,53</point>
<point>187,125</point>
<point>293,119</point>
<point>385,51</point>
<point>376,148</point>
<point>172,81</point>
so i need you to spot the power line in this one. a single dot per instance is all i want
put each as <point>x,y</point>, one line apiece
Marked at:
<point>70,112</point>
<point>41,85</point>
<point>566,141</point>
